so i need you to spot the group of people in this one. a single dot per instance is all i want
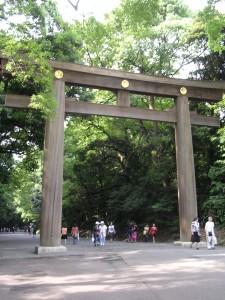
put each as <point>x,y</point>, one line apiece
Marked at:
<point>100,231</point>
<point>150,232</point>
<point>211,239</point>
<point>74,233</point>
<point>31,229</point>
<point>132,228</point>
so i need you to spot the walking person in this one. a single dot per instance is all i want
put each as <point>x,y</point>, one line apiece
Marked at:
<point>129,231</point>
<point>25,229</point>
<point>146,233</point>
<point>210,234</point>
<point>134,233</point>
<point>29,229</point>
<point>153,232</point>
<point>75,233</point>
<point>34,230</point>
<point>64,234</point>
<point>111,231</point>
<point>103,231</point>
<point>96,234</point>
<point>195,233</point>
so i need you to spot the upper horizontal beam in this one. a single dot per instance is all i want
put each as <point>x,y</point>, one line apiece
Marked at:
<point>135,76</point>
<point>141,87</point>
<point>80,107</point>
<point>101,78</point>
<point>138,83</point>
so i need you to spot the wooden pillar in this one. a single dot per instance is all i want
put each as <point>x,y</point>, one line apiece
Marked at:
<point>123,98</point>
<point>152,106</point>
<point>185,169</point>
<point>51,209</point>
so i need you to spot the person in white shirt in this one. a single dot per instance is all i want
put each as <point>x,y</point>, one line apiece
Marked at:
<point>111,231</point>
<point>195,233</point>
<point>210,234</point>
<point>103,231</point>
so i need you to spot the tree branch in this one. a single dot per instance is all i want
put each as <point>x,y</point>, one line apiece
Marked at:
<point>74,6</point>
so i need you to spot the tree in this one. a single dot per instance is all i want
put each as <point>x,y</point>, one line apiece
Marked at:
<point>210,66</point>
<point>31,31</point>
<point>151,37</point>
<point>28,43</point>
<point>215,204</point>
<point>110,171</point>
<point>214,24</point>
<point>25,185</point>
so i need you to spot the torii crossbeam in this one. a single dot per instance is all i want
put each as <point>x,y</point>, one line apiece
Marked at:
<point>123,84</point>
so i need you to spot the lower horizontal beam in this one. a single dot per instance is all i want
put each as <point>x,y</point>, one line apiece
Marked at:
<point>136,113</point>
<point>19,101</point>
<point>80,107</point>
<point>201,120</point>
<point>119,111</point>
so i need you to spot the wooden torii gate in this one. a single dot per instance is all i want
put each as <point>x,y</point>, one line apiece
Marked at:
<point>123,83</point>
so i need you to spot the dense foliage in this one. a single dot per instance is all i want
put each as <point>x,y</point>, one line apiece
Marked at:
<point>114,169</point>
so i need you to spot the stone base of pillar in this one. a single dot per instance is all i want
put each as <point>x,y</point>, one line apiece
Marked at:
<point>43,249</point>
<point>188,244</point>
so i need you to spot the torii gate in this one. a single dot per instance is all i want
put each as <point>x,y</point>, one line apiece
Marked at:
<point>123,83</point>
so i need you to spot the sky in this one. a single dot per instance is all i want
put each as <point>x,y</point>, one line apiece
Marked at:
<point>86,8</point>
<point>98,8</point>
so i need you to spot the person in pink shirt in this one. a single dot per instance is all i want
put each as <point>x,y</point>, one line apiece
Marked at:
<point>64,234</point>
<point>153,232</point>
<point>75,233</point>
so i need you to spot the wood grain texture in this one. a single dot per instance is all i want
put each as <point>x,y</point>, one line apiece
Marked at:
<point>163,87</point>
<point>66,66</point>
<point>123,98</point>
<point>185,168</point>
<point>139,83</point>
<point>122,110</point>
<point>51,209</point>
<point>102,78</point>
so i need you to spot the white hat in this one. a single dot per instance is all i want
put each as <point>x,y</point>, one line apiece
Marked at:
<point>96,222</point>
<point>102,222</point>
